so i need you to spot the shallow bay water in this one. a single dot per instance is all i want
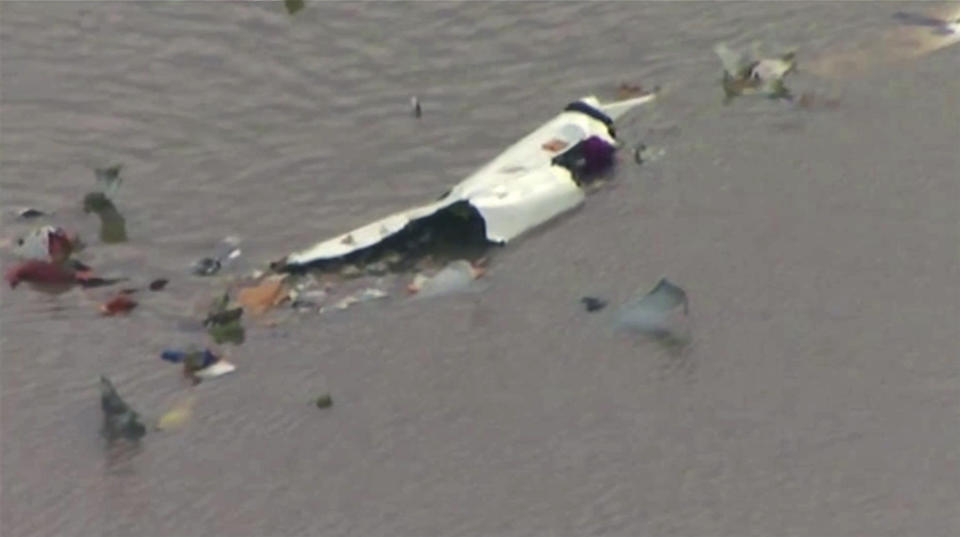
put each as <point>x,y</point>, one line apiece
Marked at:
<point>818,247</point>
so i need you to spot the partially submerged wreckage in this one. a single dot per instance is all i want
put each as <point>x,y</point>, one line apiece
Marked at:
<point>748,72</point>
<point>535,180</point>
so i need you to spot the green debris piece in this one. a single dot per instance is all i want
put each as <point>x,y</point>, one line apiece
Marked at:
<point>113,226</point>
<point>223,317</point>
<point>224,325</point>
<point>232,332</point>
<point>324,401</point>
<point>293,6</point>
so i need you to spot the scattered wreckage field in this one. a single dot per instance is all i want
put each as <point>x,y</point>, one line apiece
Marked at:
<point>438,248</point>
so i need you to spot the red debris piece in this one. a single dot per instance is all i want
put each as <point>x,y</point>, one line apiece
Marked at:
<point>121,303</point>
<point>40,272</point>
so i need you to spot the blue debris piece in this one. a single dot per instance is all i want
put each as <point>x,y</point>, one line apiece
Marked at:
<point>205,359</point>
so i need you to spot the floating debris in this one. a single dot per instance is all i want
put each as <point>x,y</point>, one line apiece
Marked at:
<point>199,364</point>
<point>307,300</point>
<point>227,250</point>
<point>659,313</point>
<point>231,332</point>
<point>324,401</point>
<point>359,297</point>
<point>415,106</point>
<point>223,317</point>
<point>524,187</point>
<point>747,73</point>
<point>593,304</point>
<point>207,266</point>
<point>221,367</point>
<point>29,213</point>
<point>638,153</point>
<point>53,276</point>
<point>43,273</point>
<point>47,242</point>
<point>293,6</point>
<point>454,277</point>
<point>109,179</point>
<point>158,284</point>
<point>223,324</point>
<point>643,154</point>
<point>119,420</point>
<point>120,304</point>
<point>260,298</point>
<point>177,416</point>
<point>113,226</point>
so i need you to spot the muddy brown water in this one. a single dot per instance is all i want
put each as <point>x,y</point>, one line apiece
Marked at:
<point>819,248</point>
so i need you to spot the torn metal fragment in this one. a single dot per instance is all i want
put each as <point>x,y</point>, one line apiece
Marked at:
<point>747,73</point>
<point>658,312</point>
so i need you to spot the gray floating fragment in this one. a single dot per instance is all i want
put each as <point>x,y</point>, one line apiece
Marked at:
<point>109,178</point>
<point>415,105</point>
<point>119,420</point>
<point>657,312</point>
<point>29,213</point>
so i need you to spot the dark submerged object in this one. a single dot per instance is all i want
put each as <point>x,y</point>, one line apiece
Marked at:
<point>207,266</point>
<point>293,6</point>
<point>29,213</point>
<point>158,284</point>
<point>638,153</point>
<point>119,420</point>
<point>593,304</point>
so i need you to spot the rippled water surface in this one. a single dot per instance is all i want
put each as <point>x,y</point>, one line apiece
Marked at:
<point>819,248</point>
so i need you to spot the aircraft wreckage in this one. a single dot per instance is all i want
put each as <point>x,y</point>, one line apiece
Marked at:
<point>535,180</point>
